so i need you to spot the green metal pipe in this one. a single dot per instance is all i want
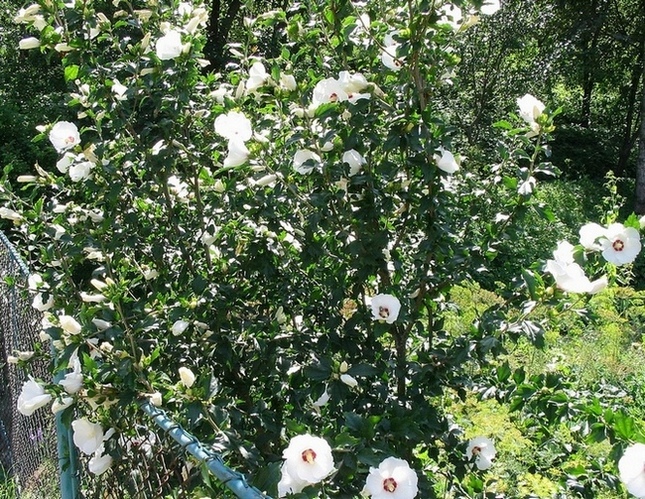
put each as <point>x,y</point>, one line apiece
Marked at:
<point>232,479</point>
<point>67,456</point>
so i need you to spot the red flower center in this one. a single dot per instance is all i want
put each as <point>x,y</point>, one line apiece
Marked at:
<point>383,312</point>
<point>389,484</point>
<point>476,450</point>
<point>333,97</point>
<point>308,456</point>
<point>618,245</point>
<point>69,140</point>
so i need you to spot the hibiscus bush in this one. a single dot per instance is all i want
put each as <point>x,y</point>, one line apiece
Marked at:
<point>268,253</point>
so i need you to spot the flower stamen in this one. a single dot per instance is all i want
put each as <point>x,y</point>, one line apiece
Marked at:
<point>389,484</point>
<point>618,245</point>
<point>383,312</point>
<point>309,456</point>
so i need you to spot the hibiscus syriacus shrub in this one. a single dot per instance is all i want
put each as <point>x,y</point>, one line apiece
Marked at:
<point>267,252</point>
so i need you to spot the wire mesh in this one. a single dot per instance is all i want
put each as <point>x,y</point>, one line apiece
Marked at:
<point>157,458</point>
<point>28,447</point>
<point>149,464</point>
<point>151,449</point>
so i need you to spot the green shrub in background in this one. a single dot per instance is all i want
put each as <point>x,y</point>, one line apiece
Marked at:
<point>32,91</point>
<point>18,153</point>
<point>569,204</point>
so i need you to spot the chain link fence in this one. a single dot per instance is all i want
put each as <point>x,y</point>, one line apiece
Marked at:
<point>159,459</point>
<point>156,457</point>
<point>28,445</point>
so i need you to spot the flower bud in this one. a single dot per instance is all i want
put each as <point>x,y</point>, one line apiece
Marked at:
<point>156,399</point>
<point>23,179</point>
<point>106,347</point>
<point>25,355</point>
<point>59,405</point>
<point>62,47</point>
<point>29,43</point>
<point>187,377</point>
<point>349,380</point>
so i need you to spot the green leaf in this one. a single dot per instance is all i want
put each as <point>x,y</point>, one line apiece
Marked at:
<point>510,183</point>
<point>547,169</point>
<point>474,483</point>
<point>71,72</point>
<point>354,422</point>
<point>531,283</point>
<point>320,371</point>
<point>199,284</point>
<point>623,425</point>
<point>363,370</point>
<point>206,475</point>
<point>633,220</point>
<point>344,439</point>
<point>329,15</point>
<point>545,213</point>
<point>503,124</point>
<point>503,372</point>
<point>266,477</point>
<point>325,110</point>
<point>194,413</point>
<point>519,376</point>
<point>369,457</point>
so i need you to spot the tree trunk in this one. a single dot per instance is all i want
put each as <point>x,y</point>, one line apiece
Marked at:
<point>629,137</point>
<point>585,118</point>
<point>639,206</point>
<point>589,68</point>
<point>219,25</point>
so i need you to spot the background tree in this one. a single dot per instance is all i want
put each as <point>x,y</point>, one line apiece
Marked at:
<point>225,25</point>
<point>587,57</point>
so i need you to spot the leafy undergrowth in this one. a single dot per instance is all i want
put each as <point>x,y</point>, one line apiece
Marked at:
<point>560,416</point>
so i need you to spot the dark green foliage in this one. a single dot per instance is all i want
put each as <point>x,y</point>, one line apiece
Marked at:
<point>584,152</point>
<point>17,128</point>
<point>273,278</point>
<point>31,94</point>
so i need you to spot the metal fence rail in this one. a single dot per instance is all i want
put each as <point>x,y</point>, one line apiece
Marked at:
<point>232,479</point>
<point>37,451</point>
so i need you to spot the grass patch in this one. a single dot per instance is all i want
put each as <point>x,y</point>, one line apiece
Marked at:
<point>8,488</point>
<point>43,484</point>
